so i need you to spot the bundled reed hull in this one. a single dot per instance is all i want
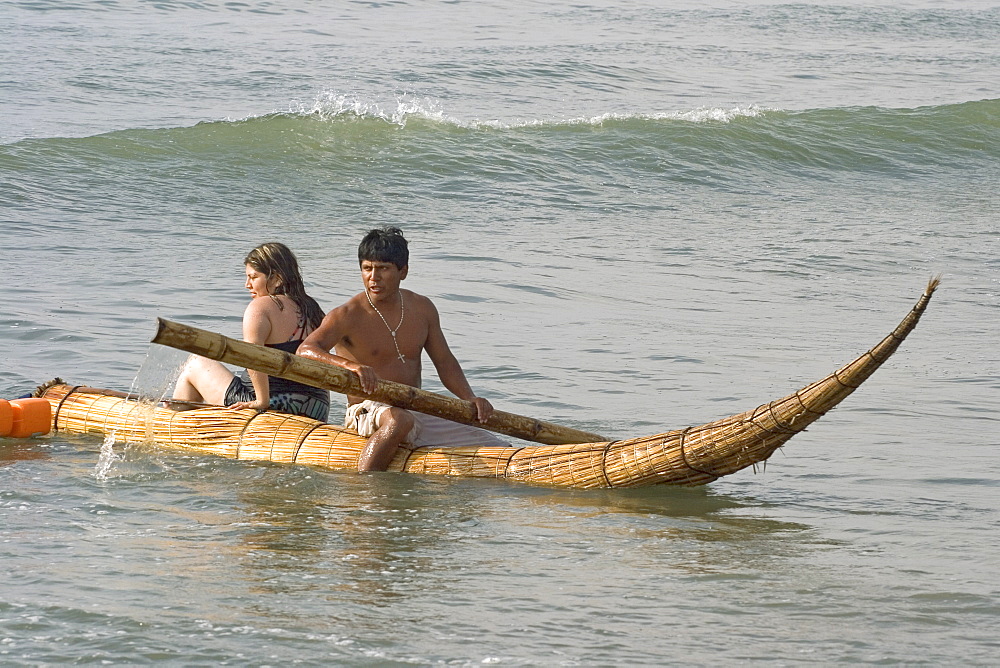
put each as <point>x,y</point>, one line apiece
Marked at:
<point>691,456</point>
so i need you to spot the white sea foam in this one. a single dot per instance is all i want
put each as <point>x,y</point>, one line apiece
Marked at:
<point>334,105</point>
<point>331,105</point>
<point>700,115</point>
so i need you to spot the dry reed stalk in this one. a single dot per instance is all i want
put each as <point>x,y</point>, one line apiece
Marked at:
<point>692,456</point>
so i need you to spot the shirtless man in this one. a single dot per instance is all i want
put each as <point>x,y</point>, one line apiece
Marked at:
<point>380,334</point>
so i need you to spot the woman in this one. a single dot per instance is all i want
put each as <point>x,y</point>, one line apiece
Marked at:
<point>280,315</point>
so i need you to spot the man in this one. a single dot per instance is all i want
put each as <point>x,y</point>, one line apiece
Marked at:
<point>380,334</point>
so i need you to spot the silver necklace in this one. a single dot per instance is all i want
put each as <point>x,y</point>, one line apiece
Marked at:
<point>402,314</point>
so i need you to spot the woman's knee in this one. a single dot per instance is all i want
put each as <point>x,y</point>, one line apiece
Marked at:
<point>203,377</point>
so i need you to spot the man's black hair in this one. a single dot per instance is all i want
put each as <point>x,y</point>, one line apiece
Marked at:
<point>384,244</point>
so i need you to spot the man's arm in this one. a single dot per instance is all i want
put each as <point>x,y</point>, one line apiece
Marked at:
<point>449,370</point>
<point>324,338</point>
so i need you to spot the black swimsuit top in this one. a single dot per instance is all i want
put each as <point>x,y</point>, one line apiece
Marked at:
<point>282,385</point>
<point>285,386</point>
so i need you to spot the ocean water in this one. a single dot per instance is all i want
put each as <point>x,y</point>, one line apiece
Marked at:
<point>632,216</point>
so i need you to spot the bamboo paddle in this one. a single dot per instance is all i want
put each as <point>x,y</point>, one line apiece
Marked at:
<point>292,367</point>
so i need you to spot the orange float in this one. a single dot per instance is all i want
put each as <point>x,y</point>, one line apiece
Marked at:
<point>22,418</point>
<point>6,417</point>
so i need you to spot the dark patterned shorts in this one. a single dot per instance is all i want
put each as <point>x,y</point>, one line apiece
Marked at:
<point>315,406</point>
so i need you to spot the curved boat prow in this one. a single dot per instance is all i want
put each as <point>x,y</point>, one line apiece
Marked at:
<point>827,393</point>
<point>706,453</point>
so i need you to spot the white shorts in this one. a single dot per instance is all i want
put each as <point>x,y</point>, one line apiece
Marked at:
<point>427,429</point>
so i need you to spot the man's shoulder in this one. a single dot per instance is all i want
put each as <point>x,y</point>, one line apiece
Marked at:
<point>357,301</point>
<point>352,306</point>
<point>417,301</point>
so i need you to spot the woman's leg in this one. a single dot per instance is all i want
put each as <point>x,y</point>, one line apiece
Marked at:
<point>203,380</point>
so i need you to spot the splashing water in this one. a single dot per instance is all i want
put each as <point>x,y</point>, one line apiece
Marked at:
<point>108,457</point>
<point>155,377</point>
<point>157,374</point>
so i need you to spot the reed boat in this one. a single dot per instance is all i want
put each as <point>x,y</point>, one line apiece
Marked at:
<point>690,456</point>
